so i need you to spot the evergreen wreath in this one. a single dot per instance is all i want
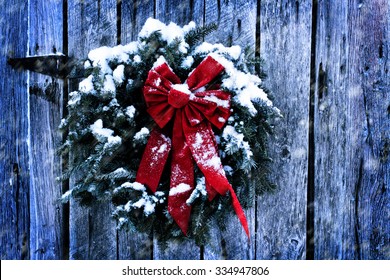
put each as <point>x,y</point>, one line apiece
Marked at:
<point>108,128</point>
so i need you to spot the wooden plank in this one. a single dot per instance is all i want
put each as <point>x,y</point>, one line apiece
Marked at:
<point>181,14</point>
<point>236,22</point>
<point>232,243</point>
<point>352,131</point>
<point>285,35</point>
<point>373,193</point>
<point>133,16</point>
<point>186,250</point>
<point>46,232</point>
<point>14,158</point>
<point>91,24</point>
<point>134,246</point>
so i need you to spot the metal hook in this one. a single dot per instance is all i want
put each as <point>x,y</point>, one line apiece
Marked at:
<point>54,65</point>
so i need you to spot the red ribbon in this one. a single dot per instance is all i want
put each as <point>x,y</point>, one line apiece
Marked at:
<point>193,110</point>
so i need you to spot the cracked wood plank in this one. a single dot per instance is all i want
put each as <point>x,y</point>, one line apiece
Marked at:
<point>91,24</point>
<point>46,223</point>
<point>352,131</point>
<point>285,36</point>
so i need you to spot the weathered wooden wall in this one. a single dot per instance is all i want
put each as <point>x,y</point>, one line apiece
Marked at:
<point>327,65</point>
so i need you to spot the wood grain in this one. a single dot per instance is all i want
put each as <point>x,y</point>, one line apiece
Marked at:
<point>14,120</point>
<point>285,35</point>
<point>180,12</point>
<point>91,24</point>
<point>352,131</point>
<point>46,232</point>
<point>133,16</point>
<point>373,191</point>
<point>186,250</point>
<point>236,22</point>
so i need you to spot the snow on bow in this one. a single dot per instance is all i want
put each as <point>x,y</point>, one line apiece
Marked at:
<point>193,111</point>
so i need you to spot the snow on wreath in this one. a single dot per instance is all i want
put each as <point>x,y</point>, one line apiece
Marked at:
<point>172,130</point>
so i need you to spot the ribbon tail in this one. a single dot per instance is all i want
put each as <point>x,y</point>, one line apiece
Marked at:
<point>182,176</point>
<point>239,211</point>
<point>201,141</point>
<point>211,192</point>
<point>153,160</point>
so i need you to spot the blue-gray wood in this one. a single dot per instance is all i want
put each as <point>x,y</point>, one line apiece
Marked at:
<point>236,22</point>
<point>46,220</point>
<point>351,128</point>
<point>285,36</point>
<point>91,24</point>
<point>328,70</point>
<point>179,12</point>
<point>14,138</point>
<point>134,13</point>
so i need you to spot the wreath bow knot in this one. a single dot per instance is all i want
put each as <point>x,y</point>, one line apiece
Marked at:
<point>193,111</point>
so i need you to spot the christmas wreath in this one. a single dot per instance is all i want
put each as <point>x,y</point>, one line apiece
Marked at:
<point>172,130</point>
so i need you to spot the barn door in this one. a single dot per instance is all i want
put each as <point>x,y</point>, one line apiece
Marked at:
<point>327,65</point>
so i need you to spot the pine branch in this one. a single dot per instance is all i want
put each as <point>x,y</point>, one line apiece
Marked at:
<point>198,34</point>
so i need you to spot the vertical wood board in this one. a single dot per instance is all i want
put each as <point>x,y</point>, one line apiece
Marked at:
<point>133,15</point>
<point>285,36</point>
<point>352,131</point>
<point>179,12</point>
<point>373,215</point>
<point>236,21</point>
<point>91,24</point>
<point>14,158</point>
<point>45,37</point>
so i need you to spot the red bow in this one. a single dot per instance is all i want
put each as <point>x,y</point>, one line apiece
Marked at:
<point>193,111</point>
